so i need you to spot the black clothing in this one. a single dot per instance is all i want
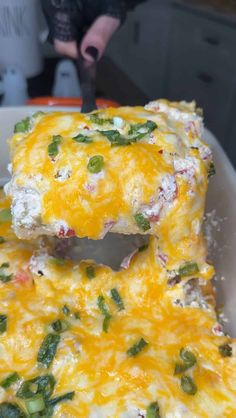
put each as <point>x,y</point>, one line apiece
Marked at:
<point>69,19</point>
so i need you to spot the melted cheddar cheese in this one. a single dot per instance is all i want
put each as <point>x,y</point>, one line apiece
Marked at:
<point>94,364</point>
<point>160,175</point>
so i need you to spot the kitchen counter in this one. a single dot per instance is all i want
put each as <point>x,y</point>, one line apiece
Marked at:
<point>221,10</point>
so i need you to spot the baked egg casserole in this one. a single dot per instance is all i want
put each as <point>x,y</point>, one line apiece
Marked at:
<point>78,339</point>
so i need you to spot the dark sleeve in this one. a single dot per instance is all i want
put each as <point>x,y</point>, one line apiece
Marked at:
<point>64,18</point>
<point>114,8</point>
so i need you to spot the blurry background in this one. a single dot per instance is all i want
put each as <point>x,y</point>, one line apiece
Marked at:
<point>173,49</point>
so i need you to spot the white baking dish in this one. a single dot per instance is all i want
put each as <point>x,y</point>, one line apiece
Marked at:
<point>221,223</point>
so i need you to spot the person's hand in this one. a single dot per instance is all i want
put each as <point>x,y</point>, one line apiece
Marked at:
<point>66,48</point>
<point>97,37</point>
<point>94,42</point>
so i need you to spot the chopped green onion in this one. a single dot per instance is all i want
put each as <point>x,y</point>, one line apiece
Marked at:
<point>39,113</point>
<point>76,315</point>
<point>5,265</point>
<point>90,272</point>
<point>60,326</point>
<point>181,368</point>
<point>153,410</point>
<point>3,323</point>
<point>96,118</point>
<point>2,240</point>
<point>102,305</point>
<point>53,147</point>
<point>35,404</point>
<point>225,350</point>
<point>82,139</point>
<point>189,359</point>
<point>95,164</point>
<point>61,398</point>
<point>66,310</point>
<point>116,138</point>
<point>142,222</point>
<point>57,261</point>
<point>135,133</point>
<point>9,380</point>
<point>22,126</point>
<point>117,299</point>
<point>11,410</point>
<point>104,310</point>
<point>106,322</point>
<point>188,269</point>
<point>4,278</point>
<point>211,170</point>
<point>143,248</point>
<point>188,385</point>
<point>137,348</point>
<point>42,384</point>
<point>187,356</point>
<point>5,215</point>
<point>48,349</point>
<point>140,130</point>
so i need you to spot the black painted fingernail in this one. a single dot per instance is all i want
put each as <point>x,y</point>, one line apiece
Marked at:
<point>93,52</point>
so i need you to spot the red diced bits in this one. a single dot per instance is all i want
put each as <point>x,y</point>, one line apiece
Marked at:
<point>66,233</point>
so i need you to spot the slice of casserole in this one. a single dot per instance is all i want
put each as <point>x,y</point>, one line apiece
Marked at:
<point>79,340</point>
<point>126,170</point>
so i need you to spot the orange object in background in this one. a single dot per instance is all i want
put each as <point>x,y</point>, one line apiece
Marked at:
<point>68,101</point>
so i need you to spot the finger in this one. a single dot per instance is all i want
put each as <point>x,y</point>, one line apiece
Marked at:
<point>66,48</point>
<point>95,41</point>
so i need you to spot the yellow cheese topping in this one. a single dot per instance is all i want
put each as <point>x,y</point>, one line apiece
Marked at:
<point>160,174</point>
<point>95,359</point>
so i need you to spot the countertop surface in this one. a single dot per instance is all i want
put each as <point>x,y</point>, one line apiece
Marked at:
<point>224,10</point>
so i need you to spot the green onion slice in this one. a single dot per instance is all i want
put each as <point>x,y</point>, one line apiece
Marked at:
<point>117,299</point>
<point>142,222</point>
<point>60,326</point>
<point>35,404</point>
<point>104,310</point>
<point>95,164</point>
<point>211,170</point>
<point>2,240</point>
<point>53,147</point>
<point>140,130</point>
<point>82,139</point>
<point>90,272</point>
<point>96,118</point>
<point>11,410</point>
<point>188,269</point>
<point>42,384</point>
<point>187,356</point>
<point>153,410</point>
<point>137,348</point>
<point>5,215</point>
<point>61,398</point>
<point>4,278</point>
<point>225,350</point>
<point>39,113</point>
<point>116,138</point>
<point>22,126</point>
<point>48,349</point>
<point>3,323</point>
<point>189,359</point>
<point>9,380</point>
<point>188,385</point>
